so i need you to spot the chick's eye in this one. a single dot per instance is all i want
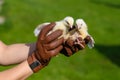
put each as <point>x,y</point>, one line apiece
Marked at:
<point>67,22</point>
<point>79,27</point>
<point>81,24</point>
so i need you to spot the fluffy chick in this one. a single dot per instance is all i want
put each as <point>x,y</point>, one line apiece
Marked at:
<point>82,30</point>
<point>64,25</point>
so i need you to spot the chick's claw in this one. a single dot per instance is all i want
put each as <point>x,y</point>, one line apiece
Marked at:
<point>80,43</point>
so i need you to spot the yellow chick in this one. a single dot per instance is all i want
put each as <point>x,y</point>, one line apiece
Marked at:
<point>82,30</point>
<point>64,25</point>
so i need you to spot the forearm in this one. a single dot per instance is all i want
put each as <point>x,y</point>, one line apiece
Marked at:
<point>20,72</point>
<point>15,53</point>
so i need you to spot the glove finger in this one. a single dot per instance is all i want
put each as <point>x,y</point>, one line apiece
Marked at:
<point>55,51</point>
<point>67,51</point>
<point>69,42</point>
<point>87,39</point>
<point>54,44</point>
<point>70,45</point>
<point>45,31</point>
<point>53,36</point>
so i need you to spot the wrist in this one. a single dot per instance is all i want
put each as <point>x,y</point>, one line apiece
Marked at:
<point>34,64</point>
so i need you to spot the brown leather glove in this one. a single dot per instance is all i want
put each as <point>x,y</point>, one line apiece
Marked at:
<point>87,39</point>
<point>47,46</point>
<point>69,47</point>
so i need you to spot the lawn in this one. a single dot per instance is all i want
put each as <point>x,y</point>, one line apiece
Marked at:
<point>102,18</point>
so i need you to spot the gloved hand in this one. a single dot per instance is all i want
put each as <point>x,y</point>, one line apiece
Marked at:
<point>47,46</point>
<point>87,39</point>
<point>69,47</point>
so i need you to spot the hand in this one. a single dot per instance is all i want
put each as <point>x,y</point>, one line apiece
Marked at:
<point>47,46</point>
<point>87,39</point>
<point>69,47</point>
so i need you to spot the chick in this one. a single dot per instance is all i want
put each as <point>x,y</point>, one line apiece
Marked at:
<point>64,25</point>
<point>82,30</point>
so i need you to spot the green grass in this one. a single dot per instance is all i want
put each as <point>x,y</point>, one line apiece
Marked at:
<point>102,17</point>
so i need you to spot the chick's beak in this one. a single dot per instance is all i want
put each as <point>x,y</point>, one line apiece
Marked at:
<point>72,28</point>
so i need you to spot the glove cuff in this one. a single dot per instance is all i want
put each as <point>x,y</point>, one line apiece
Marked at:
<point>34,64</point>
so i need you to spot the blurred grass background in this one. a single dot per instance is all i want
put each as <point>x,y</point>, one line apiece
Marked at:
<point>102,18</point>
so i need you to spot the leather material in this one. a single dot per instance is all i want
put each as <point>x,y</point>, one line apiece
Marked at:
<point>87,39</point>
<point>34,64</point>
<point>70,48</point>
<point>47,46</point>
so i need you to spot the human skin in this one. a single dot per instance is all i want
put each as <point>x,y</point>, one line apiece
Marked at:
<point>13,54</point>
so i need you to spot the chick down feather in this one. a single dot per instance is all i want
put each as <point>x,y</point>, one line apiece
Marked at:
<point>64,25</point>
<point>82,30</point>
